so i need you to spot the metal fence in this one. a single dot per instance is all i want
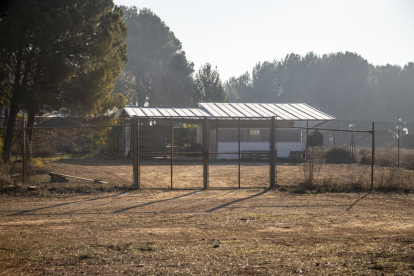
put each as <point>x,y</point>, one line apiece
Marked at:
<point>85,157</point>
<point>249,153</point>
<point>216,153</point>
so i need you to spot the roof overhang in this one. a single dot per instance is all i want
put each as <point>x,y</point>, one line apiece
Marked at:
<point>289,112</point>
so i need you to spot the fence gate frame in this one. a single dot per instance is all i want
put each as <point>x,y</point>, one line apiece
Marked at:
<point>206,150</point>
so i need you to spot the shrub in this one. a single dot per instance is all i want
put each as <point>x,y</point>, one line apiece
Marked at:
<point>364,157</point>
<point>195,147</point>
<point>44,152</point>
<point>386,157</point>
<point>408,161</point>
<point>393,180</point>
<point>6,184</point>
<point>339,156</point>
<point>310,170</point>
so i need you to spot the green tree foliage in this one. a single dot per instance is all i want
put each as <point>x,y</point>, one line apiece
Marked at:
<point>152,47</point>
<point>341,84</point>
<point>168,85</point>
<point>60,54</point>
<point>125,84</point>
<point>239,89</point>
<point>208,86</point>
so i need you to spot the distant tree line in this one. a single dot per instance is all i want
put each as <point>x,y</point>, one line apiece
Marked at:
<point>71,56</point>
<point>343,85</point>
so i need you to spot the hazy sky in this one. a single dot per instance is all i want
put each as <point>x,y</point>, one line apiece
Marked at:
<point>235,35</point>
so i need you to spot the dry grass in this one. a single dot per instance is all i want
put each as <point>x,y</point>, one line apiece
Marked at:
<point>207,232</point>
<point>314,176</point>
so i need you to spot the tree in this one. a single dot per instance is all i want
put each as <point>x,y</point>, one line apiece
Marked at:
<point>208,86</point>
<point>59,54</point>
<point>168,84</point>
<point>125,84</point>
<point>238,89</point>
<point>152,45</point>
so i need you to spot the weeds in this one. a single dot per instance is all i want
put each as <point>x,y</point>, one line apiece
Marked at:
<point>407,161</point>
<point>386,157</point>
<point>339,156</point>
<point>393,180</point>
<point>365,157</point>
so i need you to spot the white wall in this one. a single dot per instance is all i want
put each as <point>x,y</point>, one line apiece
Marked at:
<point>283,148</point>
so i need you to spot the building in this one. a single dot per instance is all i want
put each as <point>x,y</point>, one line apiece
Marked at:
<point>230,123</point>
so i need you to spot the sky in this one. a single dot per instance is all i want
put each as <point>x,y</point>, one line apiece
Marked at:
<point>236,35</point>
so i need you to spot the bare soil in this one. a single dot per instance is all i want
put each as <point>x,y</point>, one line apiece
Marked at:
<point>188,174</point>
<point>211,232</point>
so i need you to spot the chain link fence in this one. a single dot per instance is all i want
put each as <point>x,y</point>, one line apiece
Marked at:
<point>65,159</point>
<point>216,153</point>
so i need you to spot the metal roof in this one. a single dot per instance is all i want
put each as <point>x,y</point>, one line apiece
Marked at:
<point>293,112</point>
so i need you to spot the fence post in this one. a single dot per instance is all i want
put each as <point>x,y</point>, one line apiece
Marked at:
<point>171,149</point>
<point>205,153</point>
<point>276,152</point>
<point>136,154</point>
<point>372,156</point>
<point>272,153</point>
<point>307,138</point>
<point>398,147</point>
<point>239,155</point>
<point>124,143</point>
<point>24,153</point>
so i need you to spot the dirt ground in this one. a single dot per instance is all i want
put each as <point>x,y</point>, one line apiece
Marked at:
<point>207,232</point>
<point>222,174</point>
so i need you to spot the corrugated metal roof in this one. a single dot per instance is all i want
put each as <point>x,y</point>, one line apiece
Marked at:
<point>296,112</point>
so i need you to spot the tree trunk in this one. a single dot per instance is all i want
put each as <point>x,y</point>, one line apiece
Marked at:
<point>6,116</point>
<point>29,133</point>
<point>8,139</point>
<point>14,109</point>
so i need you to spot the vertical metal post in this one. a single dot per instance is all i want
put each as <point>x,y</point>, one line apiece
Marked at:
<point>307,138</point>
<point>124,144</point>
<point>138,156</point>
<point>398,147</point>
<point>119,130</point>
<point>24,149</point>
<point>136,153</point>
<point>239,150</point>
<point>205,153</point>
<point>131,141</point>
<point>171,149</point>
<point>372,156</point>
<point>272,153</point>
<point>275,151</point>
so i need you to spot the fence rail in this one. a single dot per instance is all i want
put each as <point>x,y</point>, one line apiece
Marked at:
<point>185,153</point>
<point>211,135</point>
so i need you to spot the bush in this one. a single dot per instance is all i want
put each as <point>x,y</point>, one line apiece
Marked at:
<point>393,180</point>
<point>195,147</point>
<point>6,184</point>
<point>386,157</point>
<point>364,157</point>
<point>408,161</point>
<point>339,156</point>
<point>44,152</point>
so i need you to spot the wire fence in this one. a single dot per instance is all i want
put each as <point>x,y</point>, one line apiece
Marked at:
<point>216,153</point>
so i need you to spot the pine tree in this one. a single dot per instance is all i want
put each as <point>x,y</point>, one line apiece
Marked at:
<point>59,54</point>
